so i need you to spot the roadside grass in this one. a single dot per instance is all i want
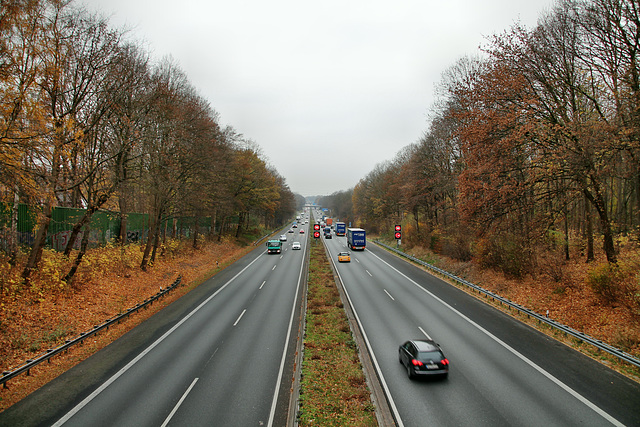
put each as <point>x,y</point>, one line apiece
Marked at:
<point>333,387</point>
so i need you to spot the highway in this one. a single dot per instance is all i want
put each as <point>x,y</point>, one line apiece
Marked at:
<point>502,372</point>
<point>221,355</point>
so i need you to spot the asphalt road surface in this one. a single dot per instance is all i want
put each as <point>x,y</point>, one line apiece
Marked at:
<point>502,372</point>
<point>220,356</point>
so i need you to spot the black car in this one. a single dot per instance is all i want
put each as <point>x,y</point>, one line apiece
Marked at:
<point>423,358</point>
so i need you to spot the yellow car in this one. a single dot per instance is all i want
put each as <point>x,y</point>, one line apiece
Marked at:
<point>344,257</point>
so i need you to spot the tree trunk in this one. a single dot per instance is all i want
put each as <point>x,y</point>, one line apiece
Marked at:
<point>240,219</point>
<point>153,232</point>
<point>83,249</point>
<point>214,220</point>
<point>41,237</point>
<point>598,202</point>
<point>123,228</point>
<point>222,225</point>
<point>589,220</point>
<point>13,242</point>
<point>82,222</point>
<point>195,233</point>
<point>566,235</point>
<point>38,244</point>
<point>156,242</point>
<point>124,216</point>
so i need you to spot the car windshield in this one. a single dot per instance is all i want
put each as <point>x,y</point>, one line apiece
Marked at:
<point>429,355</point>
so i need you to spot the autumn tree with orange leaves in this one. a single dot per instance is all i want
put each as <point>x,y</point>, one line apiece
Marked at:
<point>87,121</point>
<point>535,139</point>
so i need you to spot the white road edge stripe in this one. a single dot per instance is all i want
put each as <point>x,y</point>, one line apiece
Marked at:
<point>562,385</point>
<point>175,408</point>
<point>128,366</point>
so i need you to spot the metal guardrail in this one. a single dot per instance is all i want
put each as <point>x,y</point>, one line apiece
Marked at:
<point>622,355</point>
<point>26,367</point>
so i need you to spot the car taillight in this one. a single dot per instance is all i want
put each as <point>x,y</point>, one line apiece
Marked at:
<point>416,362</point>
<point>445,362</point>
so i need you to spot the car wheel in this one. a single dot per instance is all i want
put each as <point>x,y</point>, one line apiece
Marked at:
<point>410,373</point>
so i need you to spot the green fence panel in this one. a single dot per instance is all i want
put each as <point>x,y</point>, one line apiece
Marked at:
<point>104,226</point>
<point>137,227</point>
<point>27,222</point>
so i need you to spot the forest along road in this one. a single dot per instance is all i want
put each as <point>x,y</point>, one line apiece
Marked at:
<point>222,355</point>
<point>502,372</point>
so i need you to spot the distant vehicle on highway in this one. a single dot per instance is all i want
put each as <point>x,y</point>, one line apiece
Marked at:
<point>423,358</point>
<point>344,257</point>
<point>356,238</point>
<point>302,231</point>
<point>296,245</point>
<point>283,237</point>
<point>274,246</point>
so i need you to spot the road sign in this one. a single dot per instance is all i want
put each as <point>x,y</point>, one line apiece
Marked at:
<point>316,234</point>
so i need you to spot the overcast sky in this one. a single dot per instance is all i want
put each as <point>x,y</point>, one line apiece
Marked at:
<point>327,89</point>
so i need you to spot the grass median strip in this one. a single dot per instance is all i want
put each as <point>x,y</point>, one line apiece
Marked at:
<point>333,388</point>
